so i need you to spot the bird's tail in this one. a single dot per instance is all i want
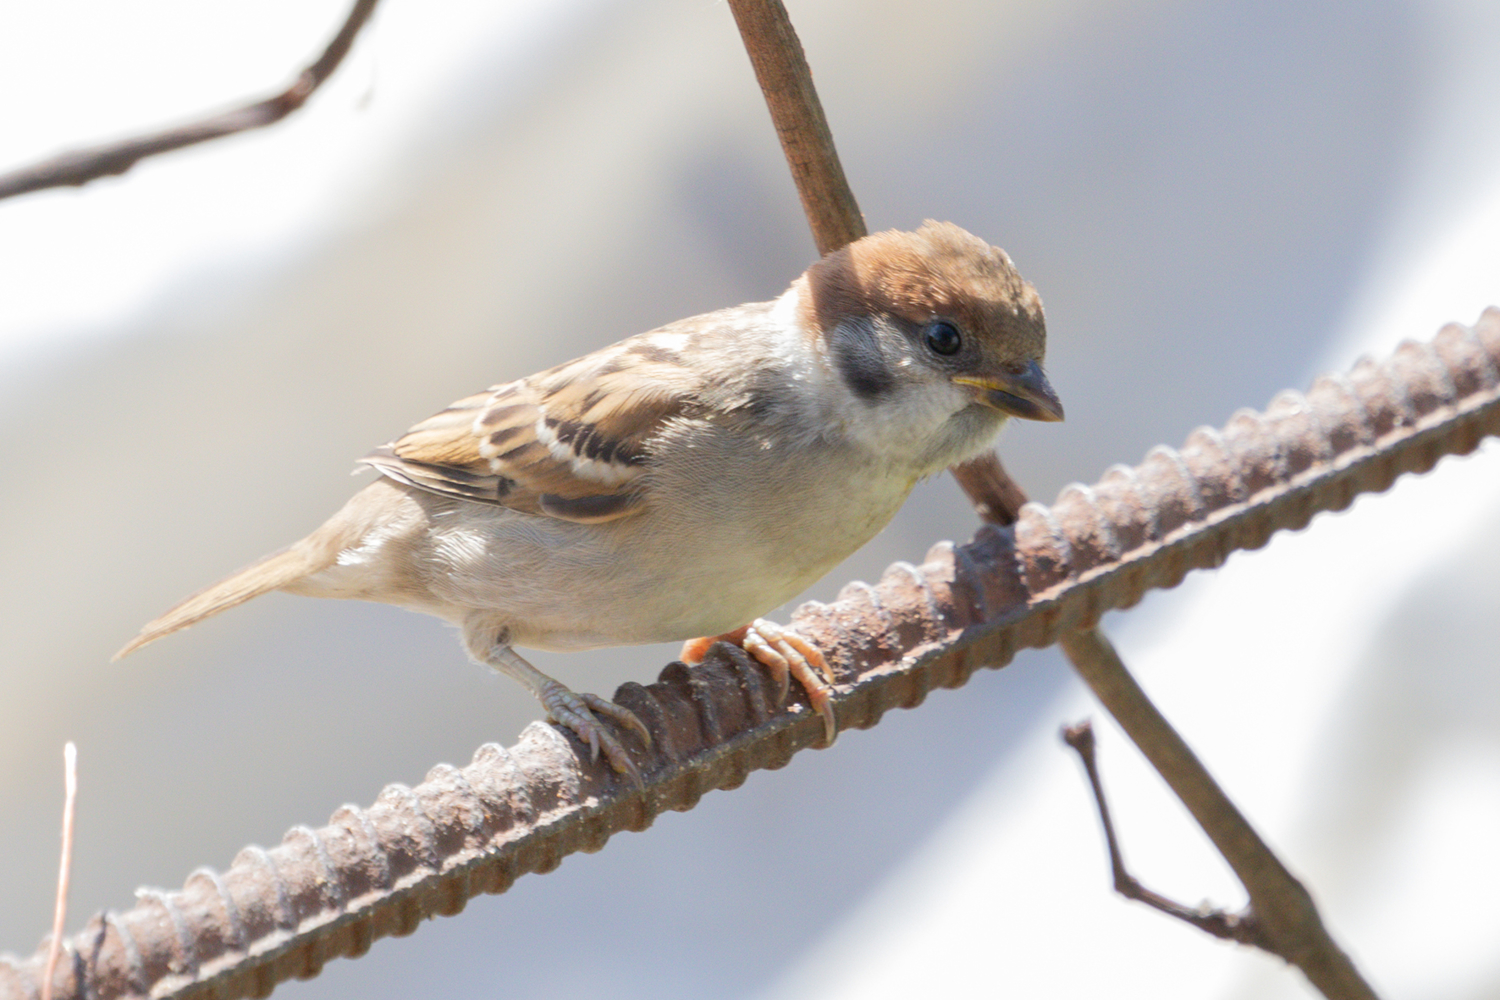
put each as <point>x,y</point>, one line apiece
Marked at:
<point>276,570</point>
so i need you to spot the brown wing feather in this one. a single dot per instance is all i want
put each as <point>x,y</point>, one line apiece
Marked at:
<point>571,442</point>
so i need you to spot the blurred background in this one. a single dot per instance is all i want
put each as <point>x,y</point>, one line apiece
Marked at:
<point>1216,201</point>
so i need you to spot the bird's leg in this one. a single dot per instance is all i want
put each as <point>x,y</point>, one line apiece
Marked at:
<point>786,655</point>
<point>573,710</point>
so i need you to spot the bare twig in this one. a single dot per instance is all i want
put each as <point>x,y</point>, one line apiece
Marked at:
<point>64,867</point>
<point>1285,919</point>
<point>785,79</point>
<point>1239,927</point>
<point>997,498</point>
<point>80,166</point>
<point>1294,930</point>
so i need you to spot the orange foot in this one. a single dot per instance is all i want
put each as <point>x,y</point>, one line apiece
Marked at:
<point>786,655</point>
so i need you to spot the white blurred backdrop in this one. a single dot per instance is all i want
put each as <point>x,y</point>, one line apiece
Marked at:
<point>1216,201</point>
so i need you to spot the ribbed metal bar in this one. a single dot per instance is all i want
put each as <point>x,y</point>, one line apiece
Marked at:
<point>416,852</point>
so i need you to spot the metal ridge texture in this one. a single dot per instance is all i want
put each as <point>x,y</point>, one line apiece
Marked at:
<point>417,852</point>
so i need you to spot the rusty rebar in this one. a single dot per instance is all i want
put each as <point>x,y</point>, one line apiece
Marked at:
<point>422,851</point>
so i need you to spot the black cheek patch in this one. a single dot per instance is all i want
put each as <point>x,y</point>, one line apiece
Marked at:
<point>863,368</point>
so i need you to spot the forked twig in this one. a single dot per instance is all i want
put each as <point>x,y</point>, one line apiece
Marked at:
<point>78,167</point>
<point>1283,910</point>
<point>1241,927</point>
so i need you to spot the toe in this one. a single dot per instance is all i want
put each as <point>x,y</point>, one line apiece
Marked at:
<point>812,654</point>
<point>785,655</point>
<point>620,714</point>
<point>619,759</point>
<point>576,713</point>
<point>580,722</point>
<point>694,650</point>
<point>794,656</point>
<point>822,703</point>
<point>779,666</point>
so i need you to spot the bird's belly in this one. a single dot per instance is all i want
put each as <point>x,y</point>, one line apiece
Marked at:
<point>713,575</point>
<point>644,579</point>
<point>724,556</point>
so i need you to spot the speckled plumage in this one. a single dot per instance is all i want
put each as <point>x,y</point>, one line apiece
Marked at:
<point>683,481</point>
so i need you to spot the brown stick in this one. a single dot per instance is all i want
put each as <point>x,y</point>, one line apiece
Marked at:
<point>1281,906</point>
<point>1282,917</point>
<point>785,79</point>
<point>1235,927</point>
<point>1241,927</point>
<point>78,167</point>
<point>996,497</point>
<point>1291,922</point>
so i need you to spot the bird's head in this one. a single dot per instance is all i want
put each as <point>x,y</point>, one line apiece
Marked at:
<point>922,327</point>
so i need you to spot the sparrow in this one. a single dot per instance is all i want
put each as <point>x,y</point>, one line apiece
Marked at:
<point>685,481</point>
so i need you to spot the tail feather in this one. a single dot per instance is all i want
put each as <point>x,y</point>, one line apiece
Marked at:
<point>270,573</point>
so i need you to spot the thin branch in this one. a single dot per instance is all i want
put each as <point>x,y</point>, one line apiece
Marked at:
<point>1282,917</point>
<point>1240,927</point>
<point>1294,929</point>
<point>78,167</point>
<point>1282,911</point>
<point>997,498</point>
<point>64,867</point>
<point>786,80</point>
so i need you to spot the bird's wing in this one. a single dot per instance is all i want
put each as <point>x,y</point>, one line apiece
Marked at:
<point>572,442</point>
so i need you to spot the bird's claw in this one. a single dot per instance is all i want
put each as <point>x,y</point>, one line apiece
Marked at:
<point>786,655</point>
<point>579,713</point>
<point>623,716</point>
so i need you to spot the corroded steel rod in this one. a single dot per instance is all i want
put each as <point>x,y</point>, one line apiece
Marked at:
<point>417,852</point>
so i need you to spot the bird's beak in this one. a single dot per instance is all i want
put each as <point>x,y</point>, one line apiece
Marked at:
<point>1027,394</point>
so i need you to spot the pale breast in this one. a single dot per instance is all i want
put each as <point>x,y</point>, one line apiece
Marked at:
<point>716,548</point>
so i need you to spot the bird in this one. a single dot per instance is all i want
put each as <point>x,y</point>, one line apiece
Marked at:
<point>682,482</point>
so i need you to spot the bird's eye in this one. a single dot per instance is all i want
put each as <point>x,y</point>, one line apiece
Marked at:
<point>943,337</point>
